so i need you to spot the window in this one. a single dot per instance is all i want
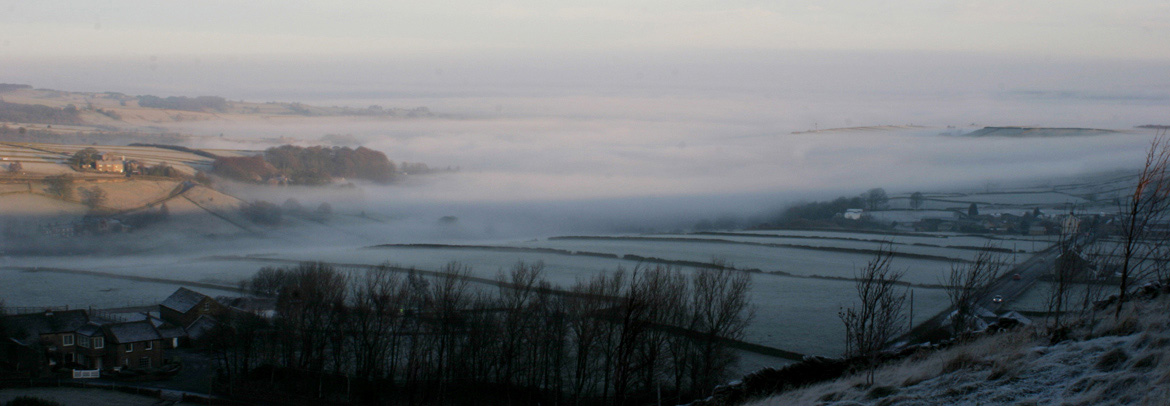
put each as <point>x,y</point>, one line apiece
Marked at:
<point>83,341</point>
<point>206,307</point>
<point>70,357</point>
<point>144,362</point>
<point>99,342</point>
<point>130,347</point>
<point>149,345</point>
<point>67,340</point>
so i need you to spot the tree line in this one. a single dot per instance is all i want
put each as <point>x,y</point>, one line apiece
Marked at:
<point>36,113</point>
<point>621,337</point>
<point>200,103</point>
<point>309,166</point>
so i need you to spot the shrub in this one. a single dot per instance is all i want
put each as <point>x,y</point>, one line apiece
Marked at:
<point>261,212</point>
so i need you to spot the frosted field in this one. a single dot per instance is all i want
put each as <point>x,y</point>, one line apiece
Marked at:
<point>1019,199</point>
<point>945,239</point>
<point>952,253</point>
<point>768,259</point>
<point>35,289</point>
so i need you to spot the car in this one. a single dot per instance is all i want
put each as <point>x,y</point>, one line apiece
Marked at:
<point>997,299</point>
<point>1017,277</point>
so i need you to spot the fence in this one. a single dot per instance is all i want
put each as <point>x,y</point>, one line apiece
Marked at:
<point>87,374</point>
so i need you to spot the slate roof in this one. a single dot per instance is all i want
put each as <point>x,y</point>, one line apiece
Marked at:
<point>90,330</point>
<point>183,300</point>
<point>171,332</point>
<point>132,332</point>
<point>256,305</point>
<point>201,326</point>
<point>29,327</point>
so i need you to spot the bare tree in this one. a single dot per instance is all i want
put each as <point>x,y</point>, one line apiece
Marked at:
<point>60,186</point>
<point>1060,293</point>
<point>721,309</point>
<point>916,200</point>
<point>877,316</point>
<point>1147,206</point>
<point>968,282</point>
<point>876,199</point>
<point>93,197</point>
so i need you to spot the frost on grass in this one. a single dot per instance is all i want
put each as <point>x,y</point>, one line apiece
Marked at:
<point>1117,362</point>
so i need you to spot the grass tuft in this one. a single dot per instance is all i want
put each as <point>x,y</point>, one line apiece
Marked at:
<point>1111,360</point>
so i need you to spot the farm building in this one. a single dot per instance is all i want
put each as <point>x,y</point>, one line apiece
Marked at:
<point>853,214</point>
<point>185,306</point>
<point>108,163</point>
<point>133,344</point>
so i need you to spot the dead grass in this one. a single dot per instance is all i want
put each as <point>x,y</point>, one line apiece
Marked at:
<point>1109,362</point>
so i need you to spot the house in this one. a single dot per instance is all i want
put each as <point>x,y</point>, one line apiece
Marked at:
<point>134,344</point>
<point>172,336</point>
<point>1037,229</point>
<point>91,347</point>
<point>45,336</point>
<point>41,342</point>
<point>185,306</point>
<point>108,163</point>
<point>853,214</point>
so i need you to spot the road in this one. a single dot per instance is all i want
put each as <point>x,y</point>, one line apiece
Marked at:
<point>1006,286</point>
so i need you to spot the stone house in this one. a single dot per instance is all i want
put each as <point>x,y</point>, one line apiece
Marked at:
<point>185,306</point>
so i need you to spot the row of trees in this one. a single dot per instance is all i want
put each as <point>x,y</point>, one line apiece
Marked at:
<point>308,166</point>
<point>617,338</point>
<point>200,103</point>
<point>316,165</point>
<point>268,213</point>
<point>873,199</point>
<point>36,113</point>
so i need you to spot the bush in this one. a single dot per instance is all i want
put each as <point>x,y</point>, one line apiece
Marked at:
<point>84,158</point>
<point>248,169</point>
<point>261,212</point>
<point>60,186</point>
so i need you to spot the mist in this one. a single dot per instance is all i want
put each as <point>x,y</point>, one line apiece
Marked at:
<point>619,141</point>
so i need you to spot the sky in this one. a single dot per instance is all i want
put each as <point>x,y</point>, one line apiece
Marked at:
<point>1133,29</point>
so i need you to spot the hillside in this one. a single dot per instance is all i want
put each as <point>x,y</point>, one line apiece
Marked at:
<point>1125,361</point>
<point>1027,132</point>
<point>22,104</point>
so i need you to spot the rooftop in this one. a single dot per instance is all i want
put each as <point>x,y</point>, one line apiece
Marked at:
<point>183,300</point>
<point>28,327</point>
<point>132,332</point>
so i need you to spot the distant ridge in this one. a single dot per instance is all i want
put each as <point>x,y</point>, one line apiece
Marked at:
<point>863,128</point>
<point>1022,132</point>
